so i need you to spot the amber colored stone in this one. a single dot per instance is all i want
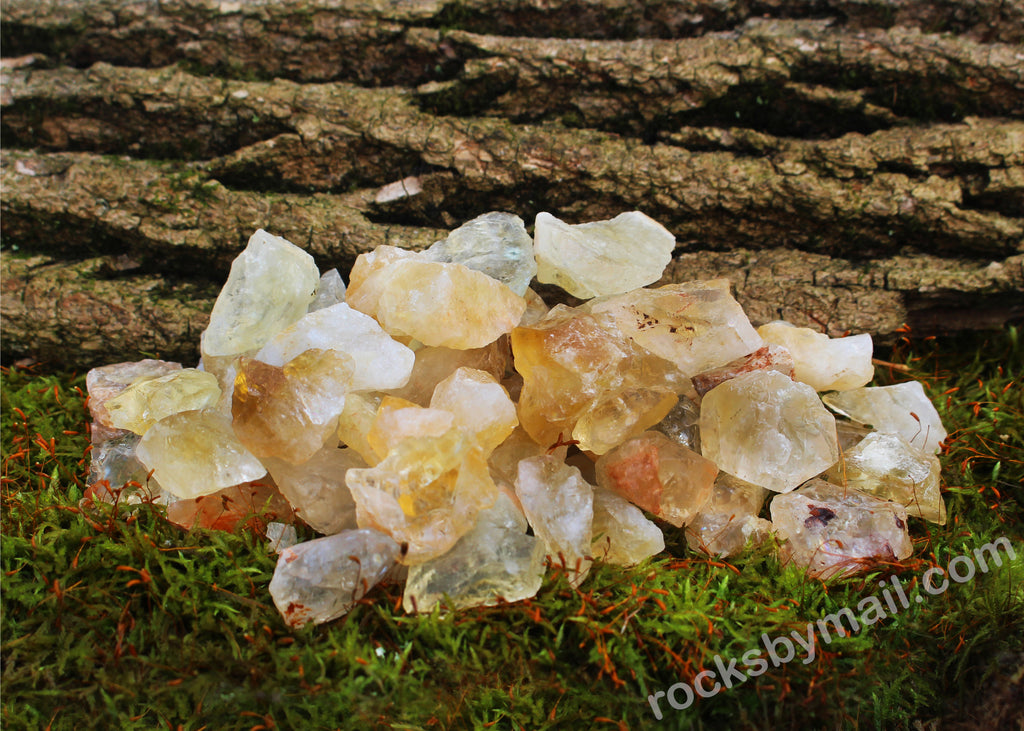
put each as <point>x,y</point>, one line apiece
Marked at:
<point>480,405</point>
<point>433,365</point>
<point>355,422</point>
<point>398,419</point>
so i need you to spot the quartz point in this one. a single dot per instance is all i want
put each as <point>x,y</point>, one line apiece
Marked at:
<point>317,488</point>
<point>902,409</point>
<point>621,533</point>
<point>496,244</point>
<point>290,412</point>
<point>146,402</point>
<point>559,504</point>
<point>602,257</point>
<point>330,291</point>
<point>380,362</point>
<point>769,357</point>
<point>479,404</point>
<point>320,580</point>
<point>823,363</point>
<point>271,285</point>
<point>194,453</point>
<point>659,475</point>
<point>889,467</point>
<point>769,430</point>
<point>832,530</point>
<point>729,519</point>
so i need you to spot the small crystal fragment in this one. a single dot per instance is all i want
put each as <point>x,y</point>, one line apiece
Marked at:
<point>355,423</point>
<point>682,424</point>
<point>114,467</point>
<point>767,429</point>
<point>728,520</point>
<point>602,257</point>
<point>889,467</point>
<point>322,579</point>
<point>834,530</point>
<point>226,509</point>
<point>659,475</point>
<point>902,409</point>
<point>106,382</point>
<point>823,363</point>
<point>271,285</point>
<point>329,292</point>
<point>559,504</point>
<point>148,401</point>
<point>196,453</point>
<point>768,357</point>
<point>317,490</point>
<point>280,536</point>
<point>479,404</point>
<point>496,244</point>
<point>398,419</point>
<point>622,535</point>
<point>433,365</point>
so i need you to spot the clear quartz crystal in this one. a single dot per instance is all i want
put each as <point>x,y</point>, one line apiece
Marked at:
<point>330,291</point>
<point>621,533</point>
<point>823,363</point>
<point>902,409</point>
<point>729,519</point>
<point>496,244</point>
<point>317,489</point>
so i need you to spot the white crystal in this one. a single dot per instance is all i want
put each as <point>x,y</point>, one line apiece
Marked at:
<point>902,409</point>
<point>496,244</point>
<point>281,536</point>
<point>823,363</point>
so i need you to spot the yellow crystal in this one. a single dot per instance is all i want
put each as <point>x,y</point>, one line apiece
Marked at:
<point>146,402</point>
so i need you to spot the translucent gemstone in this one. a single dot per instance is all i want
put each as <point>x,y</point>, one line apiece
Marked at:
<point>767,429</point>
<point>370,272</point>
<point>850,434</point>
<point>398,419</point>
<point>659,475</point>
<point>696,325</point>
<point>379,361</point>
<point>602,257</point>
<point>329,292</point>
<point>106,382</point>
<point>536,309</point>
<point>355,423</point>
<point>115,473</point>
<point>834,530</point>
<point>480,405</point>
<point>559,504</point>
<point>427,493</point>
<point>504,460</point>
<point>321,580</point>
<point>570,364</point>
<point>729,519</point>
<point>227,509</point>
<point>615,417</point>
<point>889,467</point>
<point>823,363</point>
<point>902,409</point>
<point>621,533</point>
<point>496,244</point>
<point>195,453</point>
<point>768,357</point>
<point>682,424</point>
<point>316,488</point>
<point>271,285</point>
<point>433,365</point>
<point>446,305</point>
<point>146,402</point>
<point>291,412</point>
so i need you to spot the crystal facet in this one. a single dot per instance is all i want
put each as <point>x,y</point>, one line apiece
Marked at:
<point>146,402</point>
<point>823,363</point>
<point>729,519</point>
<point>317,489</point>
<point>622,535</point>
<point>902,409</point>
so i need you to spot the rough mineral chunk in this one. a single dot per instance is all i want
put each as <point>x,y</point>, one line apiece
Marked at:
<point>728,520</point>
<point>116,473</point>
<point>603,257</point>
<point>622,535</point>
<point>398,419</point>
<point>836,530</point>
<point>480,405</point>
<point>355,422</point>
<point>106,382</point>
<point>682,424</point>
<point>433,365</point>
<point>496,244</point>
<point>329,292</point>
<point>380,362</point>
<point>901,409</point>
<point>148,401</point>
<point>767,358</point>
<point>321,580</point>
<point>823,363</point>
<point>765,428</point>
<point>504,460</point>
<point>659,475</point>
<point>889,467</point>
<point>559,504</point>
<point>427,493</point>
<point>195,453</point>
<point>697,325</point>
<point>227,508</point>
<point>271,285</point>
<point>317,490</point>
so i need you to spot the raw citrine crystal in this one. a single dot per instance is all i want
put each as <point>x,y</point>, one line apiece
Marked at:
<point>317,489</point>
<point>427,493</point>
<point>504,460</point>
<point>889,467</point>
<point>621,533</point>
<point>367,280</point>
<point>613,418</point>
<point>398,419</point>
<point>559,504</point>
<point>290,412</point>
<point>659,475</point>
<point>479,404</point>
<point>195,453</point>
<point>146,402</point>
<point>767,358</point>
<point>765,428</point>
<point>322,579</point>
<point>834,530</point>
<point>226,509</point>
<point>271,285</point>
<point>379,361</point>
<point>603,257</point>
<point>433,365</point>
<point>496,244</point>
<point>729,519</point>
<point>106,382</point>
<point>823,363</point>
<point>902,409</point>
<point>355,423</point>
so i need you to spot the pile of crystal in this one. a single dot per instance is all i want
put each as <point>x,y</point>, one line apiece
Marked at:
<point>436,423</point>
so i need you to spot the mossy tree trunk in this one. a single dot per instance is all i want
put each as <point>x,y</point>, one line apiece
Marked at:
<point>850,165</point>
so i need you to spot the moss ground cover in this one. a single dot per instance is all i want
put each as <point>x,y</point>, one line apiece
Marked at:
<point>114,618</point>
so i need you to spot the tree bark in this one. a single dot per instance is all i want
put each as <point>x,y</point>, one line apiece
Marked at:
<point>846,166</point>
